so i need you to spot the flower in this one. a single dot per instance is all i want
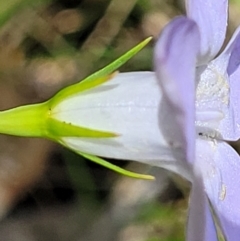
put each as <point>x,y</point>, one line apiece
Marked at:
<point>200,112</point>
<point>179,117</point>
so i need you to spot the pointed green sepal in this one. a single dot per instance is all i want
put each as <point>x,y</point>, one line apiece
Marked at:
<point>99,77</point>
<point>58,129</point>
<point>36,121</point>
<point>79,87</point>
<point>118,62</point>
<point>115,168</point>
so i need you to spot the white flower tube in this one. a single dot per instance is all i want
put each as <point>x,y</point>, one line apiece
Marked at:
<point>126,105</point>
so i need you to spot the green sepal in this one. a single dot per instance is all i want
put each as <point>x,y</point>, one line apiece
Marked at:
<point>98,77</point>
<point>115,168</point>
<point>36,121</point>
<point>118,62</point>
<point>58,129</point>
<point>77,88</point>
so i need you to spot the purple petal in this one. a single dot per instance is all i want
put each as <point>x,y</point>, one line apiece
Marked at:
<point>230,127</point>
<point>200,221</point>
<point>233,49</point>
<point>227,67</point>
<point>219,164</point>
<point>232,120</point>
<point>218,92</point>
<point>211,17</point>
<point>174,60</point>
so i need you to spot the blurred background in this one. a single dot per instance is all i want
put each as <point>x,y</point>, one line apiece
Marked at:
<point>48,193</point>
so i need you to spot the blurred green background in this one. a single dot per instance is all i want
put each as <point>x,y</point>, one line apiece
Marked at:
<point>48,193</point>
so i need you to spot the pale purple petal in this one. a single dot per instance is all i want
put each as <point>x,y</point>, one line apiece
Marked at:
<point>211,18</point>
<point>230,127</point>
<point>219,164</point>
<point>212,99</point>
<point>219,92</point>
<point>175,70</point>
<point>233,50</point>
<point>232,119</point>
<point>200,221</point>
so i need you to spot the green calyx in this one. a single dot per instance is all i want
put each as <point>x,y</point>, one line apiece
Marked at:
<point>37,120</point>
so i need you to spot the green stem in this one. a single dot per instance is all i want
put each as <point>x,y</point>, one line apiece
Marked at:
<point>29,120</point>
